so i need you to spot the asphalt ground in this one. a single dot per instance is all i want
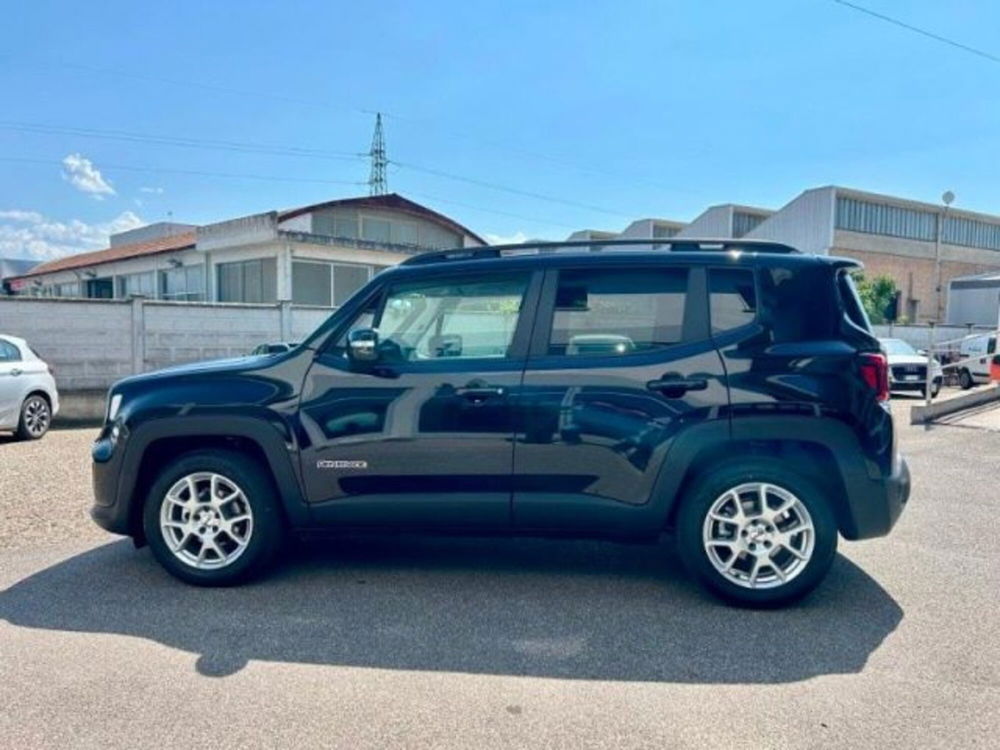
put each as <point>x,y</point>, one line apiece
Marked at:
<point>444,642</point>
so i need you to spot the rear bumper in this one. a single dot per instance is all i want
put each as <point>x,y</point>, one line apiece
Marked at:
<point>878,509</point>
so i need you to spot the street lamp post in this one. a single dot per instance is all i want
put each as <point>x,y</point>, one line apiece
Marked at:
<point>947,198</point>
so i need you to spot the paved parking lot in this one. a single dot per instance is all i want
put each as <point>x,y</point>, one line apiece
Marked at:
<point>424,642</point>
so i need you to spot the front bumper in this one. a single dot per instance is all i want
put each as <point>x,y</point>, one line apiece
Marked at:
<point>109,511</point>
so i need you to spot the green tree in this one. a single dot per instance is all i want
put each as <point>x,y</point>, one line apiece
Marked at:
<point>876,293</point>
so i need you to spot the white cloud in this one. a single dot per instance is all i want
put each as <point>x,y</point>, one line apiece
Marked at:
<point>15,214</point>
<point>29,234</point>
<point>81,173</point>
<point>151,190</point>
<point>514,239</point>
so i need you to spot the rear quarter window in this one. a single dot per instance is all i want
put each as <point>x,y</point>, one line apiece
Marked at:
<point>798,302</point>
<point>732,298</point>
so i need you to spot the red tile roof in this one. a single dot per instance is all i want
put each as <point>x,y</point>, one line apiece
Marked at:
<point>391,201</point>
<point>120,252</point>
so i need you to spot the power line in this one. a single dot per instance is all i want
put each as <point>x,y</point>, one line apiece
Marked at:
<point>508,189</point>
<point>918,30</point>
<point>462,204</point>
<point>191,172</point>
<point>167,140</point>
<point>274,150</point>
<point>535,155</point>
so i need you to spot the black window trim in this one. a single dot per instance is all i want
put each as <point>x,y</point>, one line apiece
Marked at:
<point>695,328</point>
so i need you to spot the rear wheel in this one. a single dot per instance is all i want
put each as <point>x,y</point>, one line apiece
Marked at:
<point>212,519</point>
<point>36,417</point>
<point>757,533</point>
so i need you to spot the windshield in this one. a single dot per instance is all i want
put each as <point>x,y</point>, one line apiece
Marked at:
<point>897,346</point>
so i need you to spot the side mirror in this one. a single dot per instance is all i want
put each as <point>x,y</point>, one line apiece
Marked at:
<point>362,345</point>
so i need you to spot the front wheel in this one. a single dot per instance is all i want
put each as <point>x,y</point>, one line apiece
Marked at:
<point>965,379</point>
<point>756,533</point>
<point>212,518</point>
<point>935,388</point>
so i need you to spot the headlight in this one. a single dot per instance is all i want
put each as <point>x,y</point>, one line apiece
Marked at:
<point>113,406</point>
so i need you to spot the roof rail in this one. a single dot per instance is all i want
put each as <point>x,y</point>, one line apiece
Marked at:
<point>537,248</point>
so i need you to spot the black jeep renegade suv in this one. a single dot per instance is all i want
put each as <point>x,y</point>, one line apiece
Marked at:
<point>728,391</point>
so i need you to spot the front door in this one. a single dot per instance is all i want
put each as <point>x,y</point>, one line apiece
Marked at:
<point>621,361</point>
<point>423,436</point>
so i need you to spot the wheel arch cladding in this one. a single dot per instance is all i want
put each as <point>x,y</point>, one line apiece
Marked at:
<point>815,461</point>
<point>157,450</point>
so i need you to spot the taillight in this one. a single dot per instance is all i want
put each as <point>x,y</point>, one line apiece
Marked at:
<point>875,372</point>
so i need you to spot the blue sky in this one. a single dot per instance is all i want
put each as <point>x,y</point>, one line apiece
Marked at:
<point>617,110</point>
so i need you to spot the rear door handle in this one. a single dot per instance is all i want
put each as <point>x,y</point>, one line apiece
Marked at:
<point>480,393</point>
<point>16,371</point>
<point>677,387</point>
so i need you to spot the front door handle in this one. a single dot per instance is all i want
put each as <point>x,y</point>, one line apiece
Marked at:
<point>480,393</point>
<point>677,387</point>
<point>16,371</point>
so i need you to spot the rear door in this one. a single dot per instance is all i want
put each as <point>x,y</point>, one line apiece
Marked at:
<point>621,361</point>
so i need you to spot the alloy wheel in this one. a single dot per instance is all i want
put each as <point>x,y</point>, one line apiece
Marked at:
<point>758,535</point>
<point>206,520</point>
<point>37,416</point>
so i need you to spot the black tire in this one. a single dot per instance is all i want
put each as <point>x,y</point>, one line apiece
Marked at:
<point>935,388</point>
<point>36,418</point>
<point>717,481</point>
<point>266,533</point>
<point>965,379</point>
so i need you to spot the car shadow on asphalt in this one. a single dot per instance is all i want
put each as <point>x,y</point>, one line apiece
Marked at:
<point>564,609</point>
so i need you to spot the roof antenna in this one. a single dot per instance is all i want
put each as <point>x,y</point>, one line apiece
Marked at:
<point>377,182</point>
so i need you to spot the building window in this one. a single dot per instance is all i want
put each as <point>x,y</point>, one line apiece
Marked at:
<point>880,218</point>
<point>311,283</point>
<point>971,233</point>
<point>135,284</point>
<point>376,230</point>
<point>744,223</point>
<point>101,288</point>
<point>248,281</point>
<point>183,283</point>
<point>347,280</point>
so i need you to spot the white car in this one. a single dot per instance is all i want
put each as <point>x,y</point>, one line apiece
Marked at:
<point>28,396</point>
<point>908,368</point>
<point>977,351</point>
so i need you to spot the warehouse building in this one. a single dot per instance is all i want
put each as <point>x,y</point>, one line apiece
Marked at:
<point>314,255</point>
<point>921,246</point>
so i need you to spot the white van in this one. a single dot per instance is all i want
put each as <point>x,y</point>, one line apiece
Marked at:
<point>979,349</point>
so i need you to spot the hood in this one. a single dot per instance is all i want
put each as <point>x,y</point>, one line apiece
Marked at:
<point>907,359</point>
<point>233,364</point>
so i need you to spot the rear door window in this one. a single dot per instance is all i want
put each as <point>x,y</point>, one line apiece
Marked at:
<point>9,352</point>
<point>617,311</point>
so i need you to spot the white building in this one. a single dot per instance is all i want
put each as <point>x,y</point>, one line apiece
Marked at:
<point>314,255</point>
<point>975,300</point>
